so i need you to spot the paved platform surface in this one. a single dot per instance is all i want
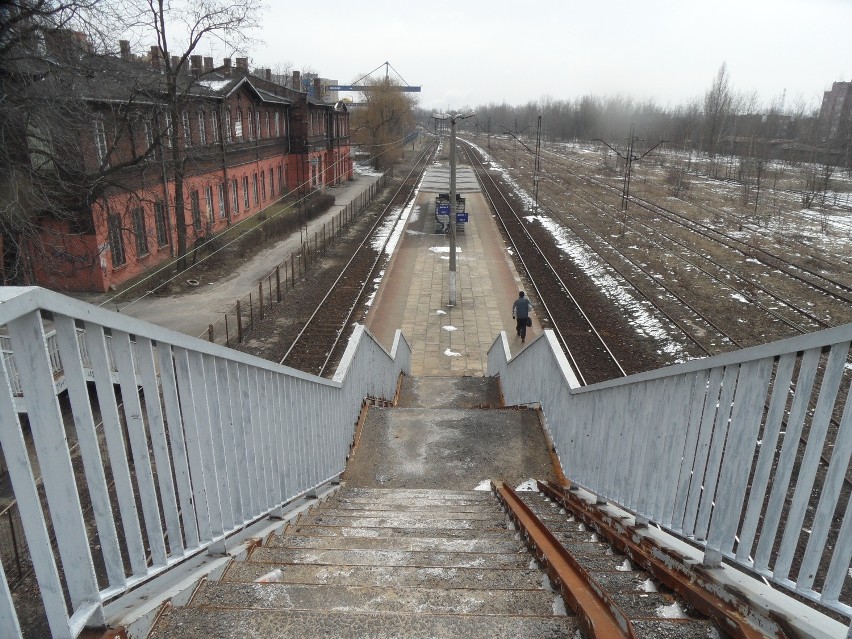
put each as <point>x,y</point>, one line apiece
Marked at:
<point>414,293</point>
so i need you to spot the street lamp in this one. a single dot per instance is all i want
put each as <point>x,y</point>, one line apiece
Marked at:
<point>453,117</point>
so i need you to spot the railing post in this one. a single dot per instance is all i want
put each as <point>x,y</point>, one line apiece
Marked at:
<point>251,313</point>
<point>210,337</point>
<point>278,284</point>
<point>239,324</point>
<point>227,333</point>
<point>260,297</point>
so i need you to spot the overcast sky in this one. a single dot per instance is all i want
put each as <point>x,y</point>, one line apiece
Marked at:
<point>466,53</point>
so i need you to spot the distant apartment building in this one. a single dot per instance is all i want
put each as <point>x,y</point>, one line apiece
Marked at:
<point>243,141</point>
<point>835,114</point>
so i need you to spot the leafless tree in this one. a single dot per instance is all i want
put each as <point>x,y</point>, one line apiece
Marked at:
<point>717,108</point>
<point>179,28</point>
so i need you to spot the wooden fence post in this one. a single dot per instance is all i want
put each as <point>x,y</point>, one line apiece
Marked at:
<point>278,283</point>
<point>251,312</point>
<point>239,324</point>
<point>292,270</point>
<point>210,333</point>
<point>260,297</point>
<point>227,333</point>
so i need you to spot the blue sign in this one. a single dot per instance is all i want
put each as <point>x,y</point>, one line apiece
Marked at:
<point>461,218</point>
<point>444,209</point>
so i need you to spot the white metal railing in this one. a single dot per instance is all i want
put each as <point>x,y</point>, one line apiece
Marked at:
<point>199,441</point>
<point>715,450</point>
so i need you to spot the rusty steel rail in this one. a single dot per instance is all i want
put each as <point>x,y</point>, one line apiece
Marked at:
<point>599,614</point>
<point>665,565</point>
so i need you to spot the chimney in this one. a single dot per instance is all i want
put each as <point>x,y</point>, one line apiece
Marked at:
<point>318,88</point>
<point>195,62</point>
<point>297,80</point>
<point>155,57</point>
<point>124,45</point>
<point>268,75</point>
<point>242,64</point>
<point>226,63</point>
<point>208,65</point>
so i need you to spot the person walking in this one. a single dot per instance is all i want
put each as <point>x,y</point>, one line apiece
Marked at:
<point>521,312</point>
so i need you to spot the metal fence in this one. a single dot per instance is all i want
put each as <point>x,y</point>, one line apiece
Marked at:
<point>746,454</point>
<point>238,321</point>
<point>197,442</point>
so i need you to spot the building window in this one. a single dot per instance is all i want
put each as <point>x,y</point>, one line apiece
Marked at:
<point>140,231</point>
<point>277,125</point>
<point>149,135</point>
<point>116,241</point>
<point>167,120</point>
<point>238,125</point>
<point>211,212</point>
<point>250,126</point>
<point>271,183</point>
<point>227,126</point>
<point>257,123</point>
<point>254,189</point>
<point>263,185</point>
<point>100,141</point>
<point>195,205</point>
<point>236,197</point>
<point>214,126</point>
<point>187,131</point>
<point>160,223</point>
<point>281,179</point>
<point>245,193</point>
<point>222,212</point>
<point>268,130</point>
<point>202,129</point>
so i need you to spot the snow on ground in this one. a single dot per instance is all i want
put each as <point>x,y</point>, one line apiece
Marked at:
<point>362,168</point>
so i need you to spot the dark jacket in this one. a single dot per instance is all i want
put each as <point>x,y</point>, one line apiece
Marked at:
<point>521,308</point>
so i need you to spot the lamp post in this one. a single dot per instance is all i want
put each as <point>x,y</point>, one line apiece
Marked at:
<point>453,118</point>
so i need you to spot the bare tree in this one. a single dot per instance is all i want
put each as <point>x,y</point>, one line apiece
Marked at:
<point>384,122</point>
<point>717,108</point>
<point>180,28</point>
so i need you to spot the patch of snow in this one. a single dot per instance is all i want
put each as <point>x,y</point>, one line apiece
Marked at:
<point>624,566</point>
<point>528,486</point>
<point>449,329</point>
<point>672,611</point>
<point>443,249</point>
<point>214,85</point>
<point>484,485</point>
<point>440,312</point>
<point>649,586</point>
<point>559,607</point>
<point>739,298</point>
<point>451,353</point>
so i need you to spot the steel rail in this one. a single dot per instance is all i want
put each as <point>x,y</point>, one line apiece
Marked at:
<point>664,565</point>
<point>598,613</point>
<point>333,288</point>
<point>552,270</point>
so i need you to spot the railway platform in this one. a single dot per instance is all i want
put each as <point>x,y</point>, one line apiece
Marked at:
<point>414,293</point>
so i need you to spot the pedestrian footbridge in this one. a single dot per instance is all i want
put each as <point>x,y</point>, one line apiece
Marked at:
<point>176,488</point>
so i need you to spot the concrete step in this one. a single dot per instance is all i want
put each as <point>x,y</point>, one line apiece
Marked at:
<point>186,623</point>
<point>415,521</point>
<point>309,529</point>
<point>336,598</point>
<point>438,544</point>
<point>385,576</point>
<point>389,558</point>
<point>448,392</point>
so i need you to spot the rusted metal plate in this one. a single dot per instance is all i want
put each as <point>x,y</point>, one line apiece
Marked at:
<point>599,614</point>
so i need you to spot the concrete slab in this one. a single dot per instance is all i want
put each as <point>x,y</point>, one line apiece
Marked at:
<point>448,448</point>
<point>410,544</point>
<point>390,558</point>
<point>441,392</point>
<point>398,576</point>
<point>456,601</point>
<point>185,623</point>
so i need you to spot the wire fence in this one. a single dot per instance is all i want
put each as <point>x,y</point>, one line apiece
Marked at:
<point>239,320</point>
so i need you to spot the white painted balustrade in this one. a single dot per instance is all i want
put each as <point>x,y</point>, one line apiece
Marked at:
<point>198,441</point>
<point>715,450</point>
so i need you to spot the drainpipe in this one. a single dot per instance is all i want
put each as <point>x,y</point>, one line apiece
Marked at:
<point>222,143</point>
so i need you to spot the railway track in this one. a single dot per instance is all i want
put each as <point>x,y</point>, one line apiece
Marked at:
<point>320,341</point>
<point>618,586</point>
<point>585,344</point>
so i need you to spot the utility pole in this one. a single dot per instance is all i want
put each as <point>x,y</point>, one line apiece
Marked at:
<point>537,164</point>
<point>453,276</point>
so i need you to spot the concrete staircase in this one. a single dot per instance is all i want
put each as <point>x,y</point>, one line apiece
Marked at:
<point>407,548</point>
<point>382,563</point>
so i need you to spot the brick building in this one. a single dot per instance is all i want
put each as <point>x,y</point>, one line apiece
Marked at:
<point>240,140</point>
<point>835,114</point>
